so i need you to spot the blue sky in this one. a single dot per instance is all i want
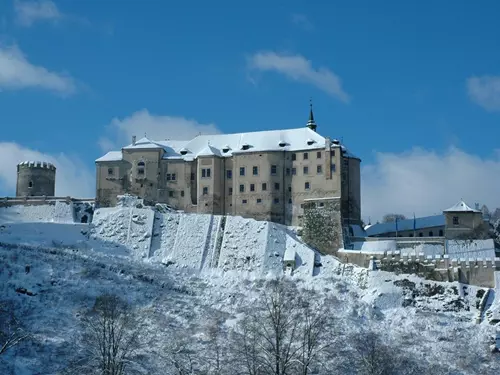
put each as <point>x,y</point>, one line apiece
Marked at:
<point>413,88</point>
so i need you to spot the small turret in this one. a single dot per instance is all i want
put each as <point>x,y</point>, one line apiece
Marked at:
<point>311,124</point>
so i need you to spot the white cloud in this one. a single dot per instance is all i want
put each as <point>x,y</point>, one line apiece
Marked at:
<point>154,126</point>
<point>485,91</point>
<point>29,12</point>
<point>73,177</point>
<point>302,21</point>
<point>298,68</point>
<point>426,182</point>
<point>16,72</point>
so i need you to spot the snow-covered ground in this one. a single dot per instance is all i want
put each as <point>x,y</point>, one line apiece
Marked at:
<point>179,268</point>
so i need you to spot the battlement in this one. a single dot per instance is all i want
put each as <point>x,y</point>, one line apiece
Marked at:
<point>36,164</point>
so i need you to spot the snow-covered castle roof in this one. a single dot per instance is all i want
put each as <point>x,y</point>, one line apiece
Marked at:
<point>461,207</point>
<point>225,145</point>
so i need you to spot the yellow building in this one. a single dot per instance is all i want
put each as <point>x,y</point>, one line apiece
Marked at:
<point>265,175</point>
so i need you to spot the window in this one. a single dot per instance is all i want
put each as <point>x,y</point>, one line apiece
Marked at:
<point>230,191</point>
<point>30,184</point>
<point>242,188</point>
<point>169,176</point>
<point>264,186</point>
<point>259,200</point>
<point>318,155</point>
<point>255,171</point>
<point>229,174</point>
<point>420,234</point>
<point>306,156</point>
<point>306,170</point>
<point>192,176</point>
<point>205,173</point>
<point>110,172</point>
<point>140,167</point>
<point>244,201</point>
<point>411,234</point>
<point>294,171</point>
<point>173,176</point>
<point>242,171</point>
<point>333,152</point>
<point>322,204</point>
<point>205,190</point>
<point>289,189</point>
<point>431,234</point>
<point>307,186</point>
<point>440,233</point>
<point>274,170</point>
<point>171,193</point>
<point>276,186</point>
<point>276,200</point>
<point>290,201</point>
<point>319,169</point>
<point>288,171</point>
<point>182,193</point>
<point>455,220</point>
<point>332,168</point>
<point>294,157</point>
<point>252,187</point>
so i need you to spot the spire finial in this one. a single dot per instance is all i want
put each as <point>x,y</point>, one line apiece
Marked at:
<point>311,124</point>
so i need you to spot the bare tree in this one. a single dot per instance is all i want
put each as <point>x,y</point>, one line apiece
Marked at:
<point>371,355</point>
<point>180,356</point>
<point>282,333</point>
<point>215,354</point>
<point>391,218</point>
<point>314,331</point>
<point>110,339</point>
<point>11,332</point>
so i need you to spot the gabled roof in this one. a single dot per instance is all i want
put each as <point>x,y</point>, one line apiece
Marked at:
<point>209,151</point>
<point>111,156</point>
<point>405,225</point>
<point>461,207</point>
<point>143,143</point>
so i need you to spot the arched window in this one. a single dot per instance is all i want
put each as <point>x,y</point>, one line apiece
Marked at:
<point>30,184</point>
<point>140,168</point>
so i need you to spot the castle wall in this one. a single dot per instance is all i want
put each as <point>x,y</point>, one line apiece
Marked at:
<point>35,179</point>
<point>323,225</point>
<point>438,267</point>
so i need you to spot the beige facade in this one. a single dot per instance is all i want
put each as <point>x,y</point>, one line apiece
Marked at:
<point>262,175</point>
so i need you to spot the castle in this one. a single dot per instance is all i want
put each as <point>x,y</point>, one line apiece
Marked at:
<point>265,175</point>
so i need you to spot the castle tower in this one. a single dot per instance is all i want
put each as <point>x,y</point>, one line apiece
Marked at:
<point>35,179</point>
<point>311,124</point>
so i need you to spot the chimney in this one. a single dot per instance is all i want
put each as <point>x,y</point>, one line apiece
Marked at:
<point>133,140</point>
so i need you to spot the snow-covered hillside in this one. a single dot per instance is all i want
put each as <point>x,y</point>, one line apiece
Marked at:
<point>179,271</point>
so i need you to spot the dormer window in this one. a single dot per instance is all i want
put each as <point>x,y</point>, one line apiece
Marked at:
<point>245,146</point>
<point>183,151</point>
<point>310,141</point>
<point>226,149</point>
<point>282,143</point>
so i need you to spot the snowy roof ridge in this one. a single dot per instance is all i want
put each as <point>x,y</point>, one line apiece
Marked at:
<point>291,140</point>
<point>461,207</point>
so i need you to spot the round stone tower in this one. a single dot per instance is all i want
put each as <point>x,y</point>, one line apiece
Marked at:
<point>35,179</point>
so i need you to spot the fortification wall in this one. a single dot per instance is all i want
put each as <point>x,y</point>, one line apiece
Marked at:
<point>468,270</point>
<point>323,224</point>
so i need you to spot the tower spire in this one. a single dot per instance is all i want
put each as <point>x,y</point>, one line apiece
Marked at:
<point>311,124</point>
